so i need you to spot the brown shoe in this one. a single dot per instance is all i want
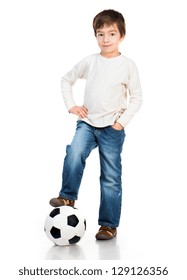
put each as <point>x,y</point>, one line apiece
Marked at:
<point>106,233</point>
<point>60,201</point>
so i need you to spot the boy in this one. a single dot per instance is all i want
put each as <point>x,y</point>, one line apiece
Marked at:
<point>112,97</point>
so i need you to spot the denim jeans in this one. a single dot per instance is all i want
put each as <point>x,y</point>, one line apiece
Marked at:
<point>109,142</point>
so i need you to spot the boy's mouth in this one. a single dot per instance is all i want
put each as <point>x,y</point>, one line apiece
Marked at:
<point>106,46</point>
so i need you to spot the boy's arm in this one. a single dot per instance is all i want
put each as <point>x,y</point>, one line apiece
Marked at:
<point>67,82</point>
<point>135,96</point>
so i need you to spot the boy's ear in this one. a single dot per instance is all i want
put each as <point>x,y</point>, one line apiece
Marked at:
<point>122,38</point>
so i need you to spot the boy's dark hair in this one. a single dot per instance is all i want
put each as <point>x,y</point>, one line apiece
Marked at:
<point>109,17</point>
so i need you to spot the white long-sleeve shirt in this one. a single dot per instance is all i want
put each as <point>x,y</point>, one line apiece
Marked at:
<point>112,91</point>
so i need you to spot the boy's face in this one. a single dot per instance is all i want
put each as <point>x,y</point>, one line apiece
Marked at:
<point>108,39</point>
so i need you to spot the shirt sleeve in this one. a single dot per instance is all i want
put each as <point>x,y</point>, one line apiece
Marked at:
<point>135,96</point>
<point>67,82</point>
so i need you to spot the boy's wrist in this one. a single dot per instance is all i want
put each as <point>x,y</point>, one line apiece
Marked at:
<point>80,111</point>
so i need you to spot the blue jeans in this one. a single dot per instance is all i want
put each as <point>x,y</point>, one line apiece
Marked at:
<point>109,142</point>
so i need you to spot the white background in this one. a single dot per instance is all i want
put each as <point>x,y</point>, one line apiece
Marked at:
<point>40,42</point>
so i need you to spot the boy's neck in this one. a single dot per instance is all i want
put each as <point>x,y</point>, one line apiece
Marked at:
<point>110,55</point>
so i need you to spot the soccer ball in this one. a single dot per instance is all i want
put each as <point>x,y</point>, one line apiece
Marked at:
<point>65,225</point>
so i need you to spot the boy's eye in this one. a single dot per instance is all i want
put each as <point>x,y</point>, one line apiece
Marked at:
<point>112,34</point>
<point>99,34</point>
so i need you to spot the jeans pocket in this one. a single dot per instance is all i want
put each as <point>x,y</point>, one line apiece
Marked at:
<point>116,135</point>
<point>116,130</point>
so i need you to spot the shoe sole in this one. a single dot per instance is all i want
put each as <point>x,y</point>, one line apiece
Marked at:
<point>55,203</point>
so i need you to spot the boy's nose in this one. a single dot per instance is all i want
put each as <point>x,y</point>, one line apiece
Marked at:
<point>106,38</point>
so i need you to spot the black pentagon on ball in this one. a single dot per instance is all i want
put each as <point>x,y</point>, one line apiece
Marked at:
<point>74,240</point>
<point>55,212</point>
<point>55,232</point>
<point>84,224</point>
<point>72,220</point>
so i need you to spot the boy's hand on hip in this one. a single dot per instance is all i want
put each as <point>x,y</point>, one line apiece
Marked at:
<point>80,111</point>
<point>117,126</point>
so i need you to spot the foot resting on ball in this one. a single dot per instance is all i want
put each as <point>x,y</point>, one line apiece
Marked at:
<point>60,201</point>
